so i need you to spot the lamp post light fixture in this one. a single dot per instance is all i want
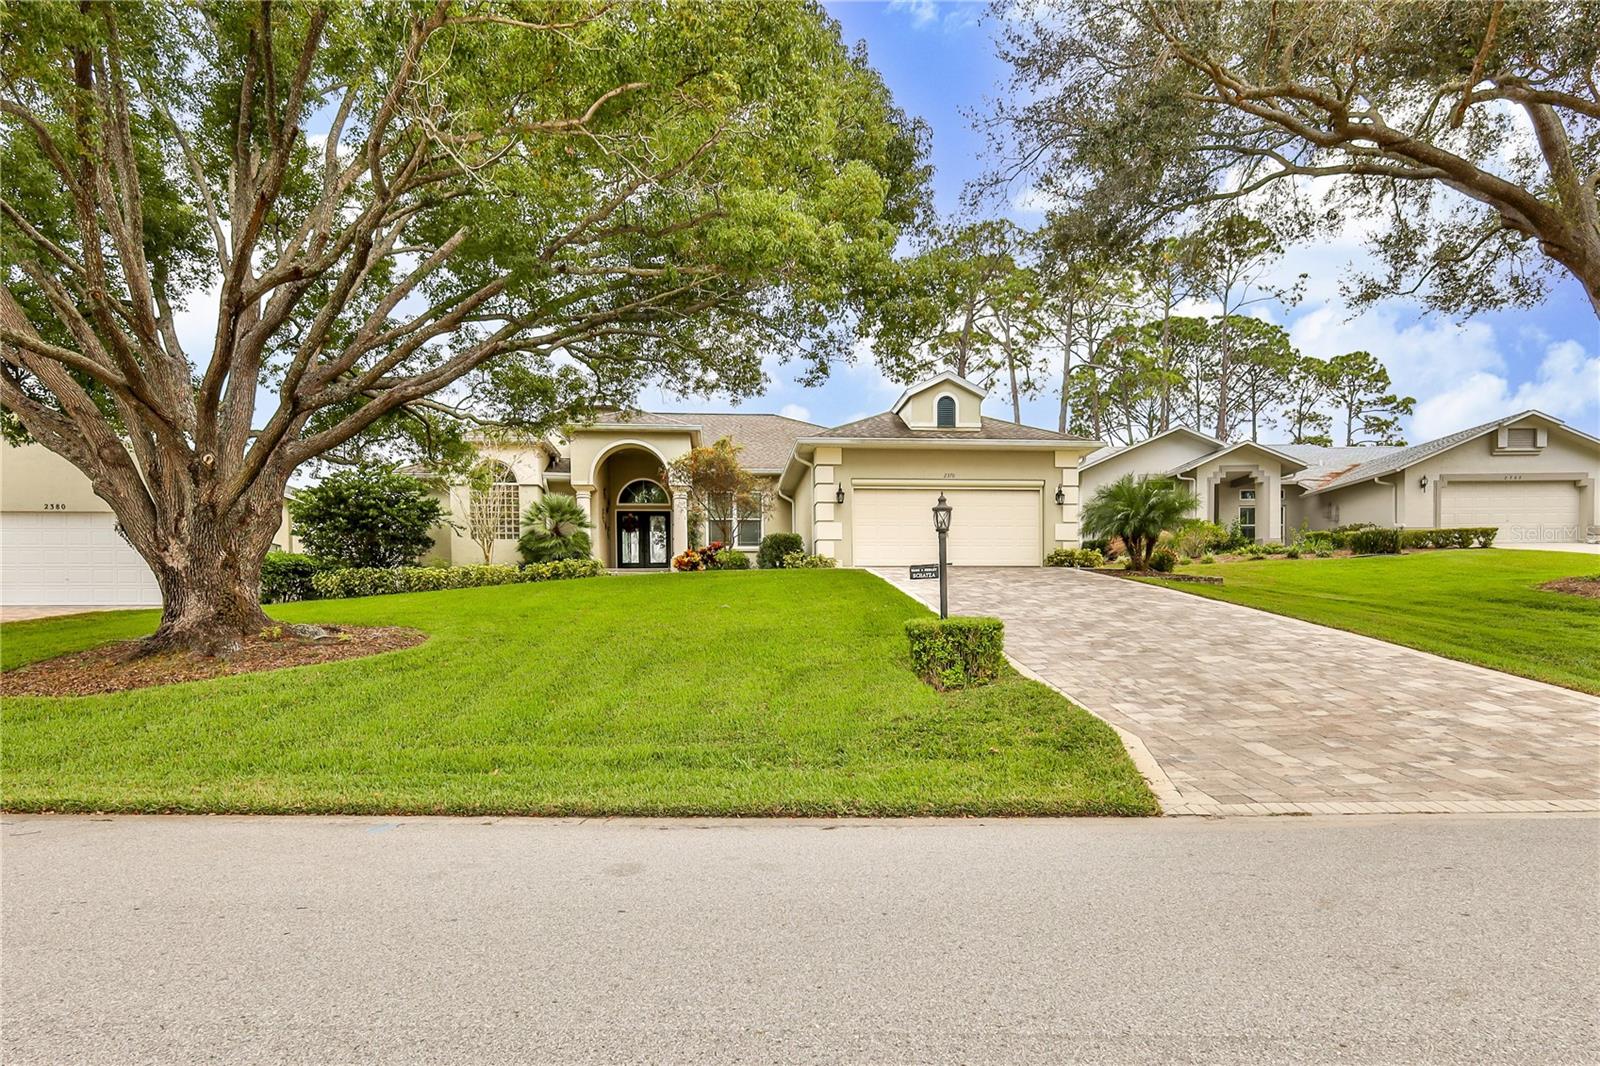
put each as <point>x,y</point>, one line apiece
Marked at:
<point>838,493</point>
<point>941,524</point>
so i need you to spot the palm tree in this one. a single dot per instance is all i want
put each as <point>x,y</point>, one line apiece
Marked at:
<point>1137,510</point>
<point>554,527</point>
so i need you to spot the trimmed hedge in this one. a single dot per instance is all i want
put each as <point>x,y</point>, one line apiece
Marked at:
<point>1085,558</point>
<point>287,577</point>
<point>802,561</point>
<point>380,581</point>
<point>956,652</point>
<point>775,547</point>
<point>732,559</point>
<point>1460,537</point>
<point>1374,541</point>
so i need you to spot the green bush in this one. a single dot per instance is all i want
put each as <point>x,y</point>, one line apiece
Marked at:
<point>1208,558</point>
<point>802,561</point>
<point>775,546</point>
<point>554,527</point>
<point>956,652</point>
<point>1163,560</point>
<point>1340,535</point>
<point>1484,536</point>
<point>1272,547</point>
<point>366,517</point>
<point>1458,537</point>
<point>1292,553</point>
<point>1374,540</point>
<point>1196,536</point>
<point>732,559</point>
<point>286,577</point>
<point>1086,558</point>
<point>1314,540</point>
<point>380,581</point>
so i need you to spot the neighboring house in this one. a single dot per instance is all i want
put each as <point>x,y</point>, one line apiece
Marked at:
<point>862,493</point>
<point>1530,475</point>
<point>59,542</point>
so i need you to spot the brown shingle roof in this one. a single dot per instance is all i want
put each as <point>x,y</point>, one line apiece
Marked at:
<point>889,426</point>
<point>767,440</point>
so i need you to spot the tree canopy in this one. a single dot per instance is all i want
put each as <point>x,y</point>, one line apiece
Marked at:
<point>1465,135</point>
<point>415,215</point>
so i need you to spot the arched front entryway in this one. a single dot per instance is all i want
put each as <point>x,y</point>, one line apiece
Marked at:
<point>639,522</point>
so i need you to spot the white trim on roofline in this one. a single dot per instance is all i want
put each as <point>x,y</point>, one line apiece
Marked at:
<point>1215,443</point>
<point>1231,448</point>
<point>947,376</point>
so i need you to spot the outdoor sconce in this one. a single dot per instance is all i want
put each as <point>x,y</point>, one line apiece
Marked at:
<point>1061,495</point>
<point>838,493</point>
<point>1423,482</point>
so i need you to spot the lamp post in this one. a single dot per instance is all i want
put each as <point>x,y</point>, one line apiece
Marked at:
<point>941,523</point>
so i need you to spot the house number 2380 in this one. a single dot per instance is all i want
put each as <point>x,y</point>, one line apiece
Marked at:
<point>55,507</point>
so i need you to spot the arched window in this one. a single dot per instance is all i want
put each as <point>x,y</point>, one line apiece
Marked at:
<point>946,412</point>
<point>642,491</point>
<point>501,504</point>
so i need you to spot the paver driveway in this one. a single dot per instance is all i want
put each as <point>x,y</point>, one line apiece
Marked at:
<point>1249,712</point>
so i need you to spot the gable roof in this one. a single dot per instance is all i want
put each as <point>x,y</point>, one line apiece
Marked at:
<point>1325,462</point>
<point>1122,449</point>
<point>949,377</point>
<point>890,426</point>
<point>1190,464</point>
<point>1397,459</point>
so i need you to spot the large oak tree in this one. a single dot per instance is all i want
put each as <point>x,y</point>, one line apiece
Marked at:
<point>487,211</point>
<point>1464,135</point>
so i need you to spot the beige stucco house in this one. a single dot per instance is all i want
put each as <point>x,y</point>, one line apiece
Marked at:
<point>1530,475</point>
<point>861,493</point>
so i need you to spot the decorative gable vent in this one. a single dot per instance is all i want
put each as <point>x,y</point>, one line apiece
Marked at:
<point>1522,438</point>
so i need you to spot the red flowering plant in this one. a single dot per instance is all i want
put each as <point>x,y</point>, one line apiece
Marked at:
<point>698,558</point>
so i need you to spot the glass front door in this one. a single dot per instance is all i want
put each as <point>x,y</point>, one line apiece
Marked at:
<point>644,538</point>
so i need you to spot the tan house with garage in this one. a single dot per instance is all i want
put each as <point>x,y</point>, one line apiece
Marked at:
<point>1530,475</point>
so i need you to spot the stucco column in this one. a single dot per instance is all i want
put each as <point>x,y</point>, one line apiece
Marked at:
<point>827,526</point>
<point>1269,488</point>
<point>585,497</point>
<point>680,518</point>
<point>1066,531</point>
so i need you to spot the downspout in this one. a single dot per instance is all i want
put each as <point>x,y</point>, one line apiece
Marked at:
<point>811,541</point>
<point>1195,491</point>
<point>1394,487</point>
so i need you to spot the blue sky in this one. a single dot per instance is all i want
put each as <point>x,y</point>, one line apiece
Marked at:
<point>939,62</point>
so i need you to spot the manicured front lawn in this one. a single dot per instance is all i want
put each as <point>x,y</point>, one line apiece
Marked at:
<point>738,693</point>
<point>1479,606</point>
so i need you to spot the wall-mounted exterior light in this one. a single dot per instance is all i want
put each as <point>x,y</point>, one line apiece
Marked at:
<point>838,493</point>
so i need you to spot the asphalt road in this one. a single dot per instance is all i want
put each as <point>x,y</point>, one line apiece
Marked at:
<point>1271,940</point>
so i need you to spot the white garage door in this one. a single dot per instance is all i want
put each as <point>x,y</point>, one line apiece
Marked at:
<point>989,527</point>
<point>70,559</point>
<point>1523,511</point>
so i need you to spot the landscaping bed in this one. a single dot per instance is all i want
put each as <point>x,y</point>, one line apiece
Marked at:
<point>769,692</point>
<point>1588,586</point>
<point>118,667</point>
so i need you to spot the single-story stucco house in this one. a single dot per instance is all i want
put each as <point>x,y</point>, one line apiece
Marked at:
<point>1530,475</point>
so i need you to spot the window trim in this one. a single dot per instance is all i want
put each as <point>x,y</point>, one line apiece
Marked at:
<point>759,518</point>
<point>636,505</point>
<point>1247,495</point>
<point>1251,525</point>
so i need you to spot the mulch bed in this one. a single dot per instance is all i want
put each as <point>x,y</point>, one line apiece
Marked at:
<point>1182,579</point>
<point>1575,586</point>
<point>114,668</point>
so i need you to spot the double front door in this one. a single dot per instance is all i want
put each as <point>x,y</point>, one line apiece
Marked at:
<point>644,538</point>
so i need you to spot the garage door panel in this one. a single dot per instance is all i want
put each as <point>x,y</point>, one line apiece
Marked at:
<point>989,527</point>
<point>1522,511</point>
<point>71,559</point>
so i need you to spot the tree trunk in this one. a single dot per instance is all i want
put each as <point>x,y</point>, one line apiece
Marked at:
<point>1066,373</point>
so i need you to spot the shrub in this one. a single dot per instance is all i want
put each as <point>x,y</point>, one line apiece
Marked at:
<point>802,561</point>
<point>1088,558</point>
<point>1459,537</point>
<point>1340,535</point>
<point>1292,553</point>
<point>774,546</point>
<point>380,581</point>
<point>366,517</point>
<point>731,559</point>
<point>1163,560</point>
<point>1314,540</point>
<point>956,652</point>
<point>1137,510</point>
<point>1272,547</point>
<point>1374,540</point>
<point>554,527</point>
<point>1484,536</point>
<point>1197,536</point>
<point>286,577</point>
<point>1208,558</point>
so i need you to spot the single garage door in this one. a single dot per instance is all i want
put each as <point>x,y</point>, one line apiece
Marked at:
<point>70,559</point>
<point>988,527</point>
<point>1523,511</point>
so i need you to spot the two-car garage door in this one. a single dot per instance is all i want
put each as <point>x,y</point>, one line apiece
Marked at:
<point>893,526</point>
<point>75,558</point>
<point>1523,511</point>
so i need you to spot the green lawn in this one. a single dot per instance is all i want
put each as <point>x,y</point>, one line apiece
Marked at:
<point>785,692</point>
<point>1478,606</point>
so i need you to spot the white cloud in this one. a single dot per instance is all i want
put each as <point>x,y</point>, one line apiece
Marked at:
<point>1566,385</point>
<point>948,15</point>
<point>795,411</point>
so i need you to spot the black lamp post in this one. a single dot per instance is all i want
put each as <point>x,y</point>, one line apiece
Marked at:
<point>941,523</point>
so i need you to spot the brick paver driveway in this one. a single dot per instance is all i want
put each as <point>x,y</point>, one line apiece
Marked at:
<point>1249,712</point>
